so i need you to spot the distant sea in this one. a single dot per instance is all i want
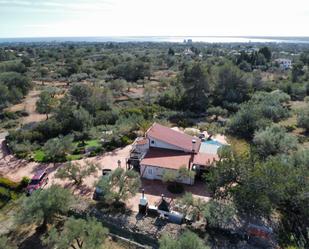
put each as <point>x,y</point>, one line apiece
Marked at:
<point>177,39</point>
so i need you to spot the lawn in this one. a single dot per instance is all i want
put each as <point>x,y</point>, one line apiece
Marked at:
<point>39,155</point>
<point>90,143</point>
<point>240,146</point>
<point>74,157</point>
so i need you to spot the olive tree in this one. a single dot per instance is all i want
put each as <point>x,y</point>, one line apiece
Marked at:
<point>42,206</point>
<point>5,244</point>
<point>77,234</point>
<point>191,205</point>
<point>187,240</point>
<point>169,176</point>
<point>80,93</point>
<point>303,118</point>
<point>76,172</point>
<point>57,148</point>
<point>45,104</point>
<point>274,140</point>
<point>119,185</point>
<point>218,213</point>
<point>217,111</point>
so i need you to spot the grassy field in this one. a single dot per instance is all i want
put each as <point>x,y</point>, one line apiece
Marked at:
<point>39,155</point>
<point>240,146</point>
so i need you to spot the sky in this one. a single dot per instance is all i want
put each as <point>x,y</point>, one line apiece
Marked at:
<point>57,18</point>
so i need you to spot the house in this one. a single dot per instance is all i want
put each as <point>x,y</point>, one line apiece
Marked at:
<point>166,149</point>
<point>284,63</point>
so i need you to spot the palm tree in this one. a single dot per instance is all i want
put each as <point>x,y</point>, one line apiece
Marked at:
<point>144,126</point>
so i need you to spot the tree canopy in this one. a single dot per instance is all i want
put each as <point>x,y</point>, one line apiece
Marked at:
<point>76,172</point>
<point>187,240</point>
<point>119,185</point>
<point>45,104</point>
<point>42,206</point>
<point>77,234</point>
<point>57,148</point>
<point>274,140</point>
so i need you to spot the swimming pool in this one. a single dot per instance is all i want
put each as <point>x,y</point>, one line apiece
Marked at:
<point>210,146</point>
<point>214,142</point>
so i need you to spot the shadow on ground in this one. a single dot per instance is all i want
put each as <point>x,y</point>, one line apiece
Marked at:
<point>157,188</point>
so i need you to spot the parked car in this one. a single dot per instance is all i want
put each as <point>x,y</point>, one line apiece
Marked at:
<point>38,181</point>
<point>98,193</point>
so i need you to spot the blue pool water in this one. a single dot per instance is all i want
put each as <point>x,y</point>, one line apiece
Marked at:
<point>213,142</point>
<point>210,146</point>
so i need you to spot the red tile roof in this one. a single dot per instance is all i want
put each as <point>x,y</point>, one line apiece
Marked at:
<point>172,137</point>
<point>205,159</point>
<point>164,158</point>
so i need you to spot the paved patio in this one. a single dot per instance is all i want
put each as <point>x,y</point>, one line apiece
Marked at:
<point>155,188</point>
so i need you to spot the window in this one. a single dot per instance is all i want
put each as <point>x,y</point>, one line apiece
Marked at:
<point>152,141</point>
<point>149,171</point>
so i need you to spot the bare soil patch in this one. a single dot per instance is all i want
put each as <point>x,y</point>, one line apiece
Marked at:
<point>29,105</point>
<point>163,74</point>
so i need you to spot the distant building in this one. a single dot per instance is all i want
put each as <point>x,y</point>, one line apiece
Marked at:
<point>189,41</point>
<point>284,63</point>
<point>188,51</point>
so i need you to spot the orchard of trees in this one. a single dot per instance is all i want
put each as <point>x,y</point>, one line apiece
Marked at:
<point>100,96</point>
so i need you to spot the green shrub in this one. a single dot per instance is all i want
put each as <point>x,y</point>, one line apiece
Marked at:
<point>97,151</point>
<point>39,156</point>
<point>290,128</point>
<point>10,124</point>
<point>22,113</point>
<point>24,182</point>
<point>7,183</point>
<point>74,157</point>
<point>8,115</point>
<point>132,111</point>
<point>79,150</point>
<point>4,194</point>
<point>125,140</point>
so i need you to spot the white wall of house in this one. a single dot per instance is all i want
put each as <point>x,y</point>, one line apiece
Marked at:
<point>142,148</point>
<point>160,144</point>
<point>156,173</point>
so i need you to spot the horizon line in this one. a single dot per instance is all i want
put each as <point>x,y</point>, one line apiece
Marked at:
<point>217,36</point>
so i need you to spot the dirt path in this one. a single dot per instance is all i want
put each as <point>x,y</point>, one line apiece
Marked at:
<point>29,105</point>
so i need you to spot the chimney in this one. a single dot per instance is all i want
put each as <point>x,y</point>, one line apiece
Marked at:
<point>193,145</point>
<point>162,197</point>
<point>143,193</point>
